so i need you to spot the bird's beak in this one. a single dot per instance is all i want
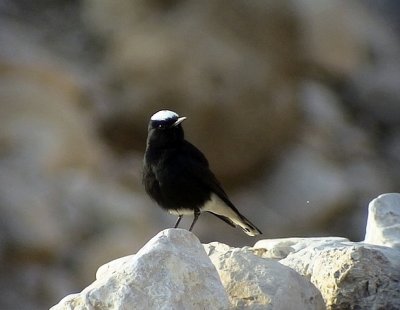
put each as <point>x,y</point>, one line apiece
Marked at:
<point>179,120</point>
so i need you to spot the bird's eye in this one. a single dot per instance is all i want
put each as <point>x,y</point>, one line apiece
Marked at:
<point>160,126</point>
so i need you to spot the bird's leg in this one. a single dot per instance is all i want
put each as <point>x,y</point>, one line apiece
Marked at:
<point>196,216</point>
<point>178,221</point>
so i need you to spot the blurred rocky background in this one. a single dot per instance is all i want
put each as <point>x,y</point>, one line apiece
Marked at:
<point>296,103</point>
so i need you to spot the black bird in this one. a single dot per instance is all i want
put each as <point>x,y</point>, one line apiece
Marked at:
<point>177,175</point>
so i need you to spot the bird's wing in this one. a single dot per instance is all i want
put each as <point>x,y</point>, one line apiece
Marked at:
<point>184,177</point>
<point>186,182</point>
<point>200,170</point>
<point>194,153</point>
<point>196,179</point>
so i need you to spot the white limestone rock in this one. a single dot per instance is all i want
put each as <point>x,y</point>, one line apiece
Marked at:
<point>172,271</point>
<point>256,283</point>
<point>349,275</point>
<point>383,225</point>
<point>282,247</point>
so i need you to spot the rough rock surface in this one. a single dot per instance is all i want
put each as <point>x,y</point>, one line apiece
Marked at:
<point>256,283</point>
<point>282,247</point>
<point>349,275</point>
<point>383,226</point>
<point>172,271</point>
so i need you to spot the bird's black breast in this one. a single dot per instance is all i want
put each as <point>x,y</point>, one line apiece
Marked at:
<point>174,177</point>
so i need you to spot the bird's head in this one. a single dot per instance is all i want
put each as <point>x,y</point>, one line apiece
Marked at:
<point>165,128</point>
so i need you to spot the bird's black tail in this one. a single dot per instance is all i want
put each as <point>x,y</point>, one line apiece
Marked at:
<point>242,222</point>
<point>225,219</point>
<point>248,227</point>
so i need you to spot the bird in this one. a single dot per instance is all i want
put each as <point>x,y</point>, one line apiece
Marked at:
<point>177,176</point>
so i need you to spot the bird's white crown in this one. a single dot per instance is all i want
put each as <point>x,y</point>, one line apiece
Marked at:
<point>164,115</point>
